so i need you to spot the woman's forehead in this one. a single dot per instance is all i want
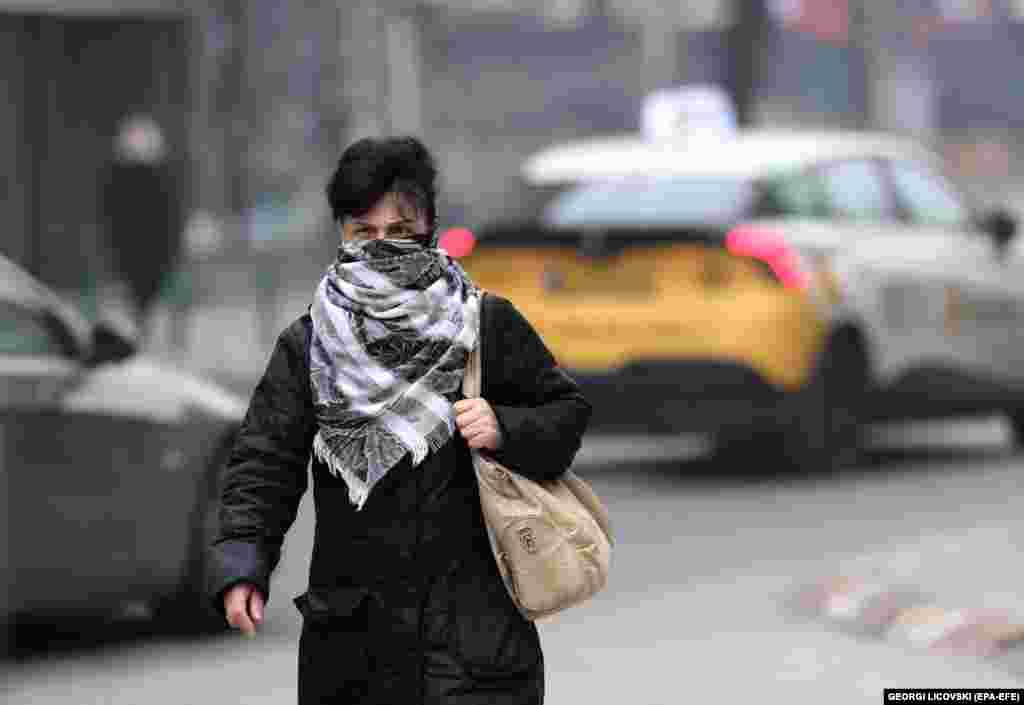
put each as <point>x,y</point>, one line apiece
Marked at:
<point>390,208</point>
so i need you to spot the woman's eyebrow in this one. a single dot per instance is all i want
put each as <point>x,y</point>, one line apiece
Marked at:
<point>403,221</point>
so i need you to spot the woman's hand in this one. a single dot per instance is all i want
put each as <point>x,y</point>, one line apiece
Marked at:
<point>243,607</point>
<point>477,423</point>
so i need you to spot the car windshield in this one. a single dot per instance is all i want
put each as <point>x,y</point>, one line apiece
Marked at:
<point>651,202</point>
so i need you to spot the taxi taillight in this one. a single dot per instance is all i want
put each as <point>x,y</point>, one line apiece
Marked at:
<point>457,242</point>
<point>770,247</point>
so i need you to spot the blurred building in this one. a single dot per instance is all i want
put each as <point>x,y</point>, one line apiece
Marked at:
<point>260,96</point>
<point>69,73</point>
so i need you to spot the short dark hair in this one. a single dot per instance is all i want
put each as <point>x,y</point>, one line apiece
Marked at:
<point>373,167</point>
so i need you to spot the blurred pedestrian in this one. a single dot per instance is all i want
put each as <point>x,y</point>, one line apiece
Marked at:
<point>405,603</point>
<point>141,209</point>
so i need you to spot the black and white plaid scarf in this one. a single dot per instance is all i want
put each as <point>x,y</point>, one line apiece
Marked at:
<point>394,322</point>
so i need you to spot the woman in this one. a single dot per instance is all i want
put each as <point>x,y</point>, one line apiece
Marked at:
<point>405,604</point>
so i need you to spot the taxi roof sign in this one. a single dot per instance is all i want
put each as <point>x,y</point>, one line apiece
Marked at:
<point>688,110</point>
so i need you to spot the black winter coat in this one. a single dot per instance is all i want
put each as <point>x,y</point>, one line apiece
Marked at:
<point>405,604</point>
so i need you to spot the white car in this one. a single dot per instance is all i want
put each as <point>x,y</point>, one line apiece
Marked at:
<point>784,285</point>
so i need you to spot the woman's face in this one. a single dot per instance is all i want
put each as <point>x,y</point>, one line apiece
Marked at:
<point>391,217</point>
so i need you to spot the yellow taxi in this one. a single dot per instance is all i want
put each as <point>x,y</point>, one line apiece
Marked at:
<point>784,286</point>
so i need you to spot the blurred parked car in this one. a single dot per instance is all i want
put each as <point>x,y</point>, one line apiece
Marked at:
<point>109,466</point>
<point>779,286</point>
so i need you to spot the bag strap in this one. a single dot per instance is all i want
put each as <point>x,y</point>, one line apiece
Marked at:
<point>472,377</point>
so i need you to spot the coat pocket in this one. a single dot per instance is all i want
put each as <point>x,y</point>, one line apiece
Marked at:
<point>491,638</point>
<point>334,664</point>
<point>323,606</point>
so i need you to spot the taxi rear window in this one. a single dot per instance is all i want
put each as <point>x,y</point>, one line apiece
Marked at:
<point>654,202</point>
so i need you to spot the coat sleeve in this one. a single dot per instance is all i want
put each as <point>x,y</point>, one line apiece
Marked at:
<point>266,473</point>
<point>540,409</point>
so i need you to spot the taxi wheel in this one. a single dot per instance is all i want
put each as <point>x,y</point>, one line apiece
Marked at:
<point>824,431</point>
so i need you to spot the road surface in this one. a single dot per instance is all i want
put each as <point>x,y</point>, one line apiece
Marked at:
<point>700,604</point>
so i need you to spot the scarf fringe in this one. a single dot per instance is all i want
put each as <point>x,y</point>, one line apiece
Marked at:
<point>436,441</point>
<point>358,491</point>
<point>421,446</point>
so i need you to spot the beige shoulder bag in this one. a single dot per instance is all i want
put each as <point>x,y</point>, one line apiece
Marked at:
<point>552,540</point>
